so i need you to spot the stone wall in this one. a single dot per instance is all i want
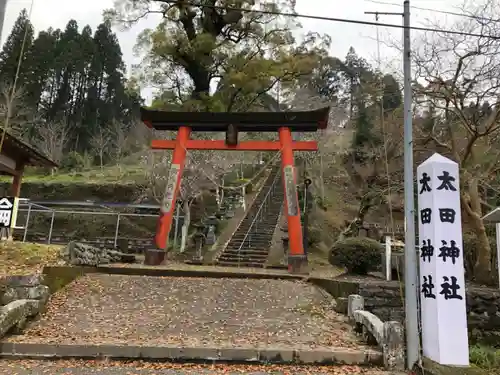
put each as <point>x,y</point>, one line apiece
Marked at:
<point>386,300</point>
<point>21,298</point>
<point>79,254</point>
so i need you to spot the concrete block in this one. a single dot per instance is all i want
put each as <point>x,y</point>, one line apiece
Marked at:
<point>277,355</point>
<point>393,347</point>
<point>337,356</point>
<point>238,354</point>
<point>17,312</point>
<point>372,324</point>
<point>354,303</point>
<point>201,353</point>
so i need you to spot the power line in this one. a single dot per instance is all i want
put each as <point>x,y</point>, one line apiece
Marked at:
<point>333,19</point>
<point>436,11</point>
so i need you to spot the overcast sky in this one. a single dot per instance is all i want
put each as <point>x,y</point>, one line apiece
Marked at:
<point>56,13</point>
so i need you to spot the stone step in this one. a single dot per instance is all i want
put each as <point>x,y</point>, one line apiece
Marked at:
<point>255,238</point>
<point>242,259</point>
<point>248,252</point>
<point>242,264</point>
<point>259,249</point>
<point>240,235</point>
<point>248,246</point>
<point>245,252</point>
<point>254,234</point>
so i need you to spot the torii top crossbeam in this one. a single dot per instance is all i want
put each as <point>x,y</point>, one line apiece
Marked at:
<point>307,121</point>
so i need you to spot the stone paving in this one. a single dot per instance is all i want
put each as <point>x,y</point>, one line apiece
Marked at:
<point>79,367</point>
<point>139,310</point>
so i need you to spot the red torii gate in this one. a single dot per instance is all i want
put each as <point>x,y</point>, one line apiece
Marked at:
<point>284,123</point>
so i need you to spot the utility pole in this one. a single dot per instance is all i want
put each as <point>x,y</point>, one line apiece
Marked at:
<point>3,7</point>
<point>411,261</point>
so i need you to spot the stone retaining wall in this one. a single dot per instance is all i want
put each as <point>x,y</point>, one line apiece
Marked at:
<point>21,298</point>
<point>79,254</point>
<point>386,300</point>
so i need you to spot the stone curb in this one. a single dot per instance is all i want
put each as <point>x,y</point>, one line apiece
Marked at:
<point>158,272</point>
<point>254,355</point>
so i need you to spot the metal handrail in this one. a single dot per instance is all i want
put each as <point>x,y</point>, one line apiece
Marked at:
<point>37,208</point>
<point>259,211</point>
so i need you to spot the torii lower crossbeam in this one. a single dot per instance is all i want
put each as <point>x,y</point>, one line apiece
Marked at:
<point>242,146</point>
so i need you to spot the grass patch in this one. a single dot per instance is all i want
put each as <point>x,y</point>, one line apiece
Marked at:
<point>485,357</point>
<point>22,258</point>
<point>108,175</point>
<point>483,361</point>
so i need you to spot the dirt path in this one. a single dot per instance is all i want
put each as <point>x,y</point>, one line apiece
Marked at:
<point>138,310</point>
<point>137,368</point>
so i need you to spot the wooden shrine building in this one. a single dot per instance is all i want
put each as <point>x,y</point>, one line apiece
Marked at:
<point>15,156</point>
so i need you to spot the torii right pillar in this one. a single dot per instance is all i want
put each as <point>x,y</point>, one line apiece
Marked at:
<point>297,259</point>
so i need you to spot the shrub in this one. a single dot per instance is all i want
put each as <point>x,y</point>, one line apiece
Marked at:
<point>74,161</point>
<point>313,235</point>
<point>485,357</point>
<point>359,255</point>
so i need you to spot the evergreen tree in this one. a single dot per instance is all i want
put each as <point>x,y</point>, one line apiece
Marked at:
<point>72,78</point>
<point>13,48</point>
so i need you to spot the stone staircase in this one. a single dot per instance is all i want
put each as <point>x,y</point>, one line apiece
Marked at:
<point>250,243</point>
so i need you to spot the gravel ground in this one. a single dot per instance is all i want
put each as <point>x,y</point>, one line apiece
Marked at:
<point>138,310</point>
<point>78,367</point>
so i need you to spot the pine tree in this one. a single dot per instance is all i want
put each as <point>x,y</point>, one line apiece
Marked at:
<point>40,64</point>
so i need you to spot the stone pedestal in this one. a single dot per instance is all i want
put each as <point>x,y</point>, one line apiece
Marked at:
<point>298,265</point>
<point>154,257</point>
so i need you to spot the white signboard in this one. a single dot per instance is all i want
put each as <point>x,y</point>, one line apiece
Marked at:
<point>442,283</point>
<point>6,212</point>
<point>168,198</point>
<point>291,190</point>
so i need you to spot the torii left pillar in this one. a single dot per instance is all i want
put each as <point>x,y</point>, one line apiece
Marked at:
<point>173,184</point>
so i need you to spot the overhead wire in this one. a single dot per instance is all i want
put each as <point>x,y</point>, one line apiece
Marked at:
<point>436,11</point>
<point>334,19</point>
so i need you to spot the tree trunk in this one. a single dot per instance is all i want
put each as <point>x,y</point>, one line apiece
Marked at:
<point>185,226</point>
<point>352,229</point>
<point>482,268</point>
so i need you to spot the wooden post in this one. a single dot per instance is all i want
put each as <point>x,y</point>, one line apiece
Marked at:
<point>15,192</point>
<point>17,180</point>
<point>388,256</point>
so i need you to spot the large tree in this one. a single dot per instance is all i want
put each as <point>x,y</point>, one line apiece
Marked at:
<point>212,55</point>
<point>458,94</point>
